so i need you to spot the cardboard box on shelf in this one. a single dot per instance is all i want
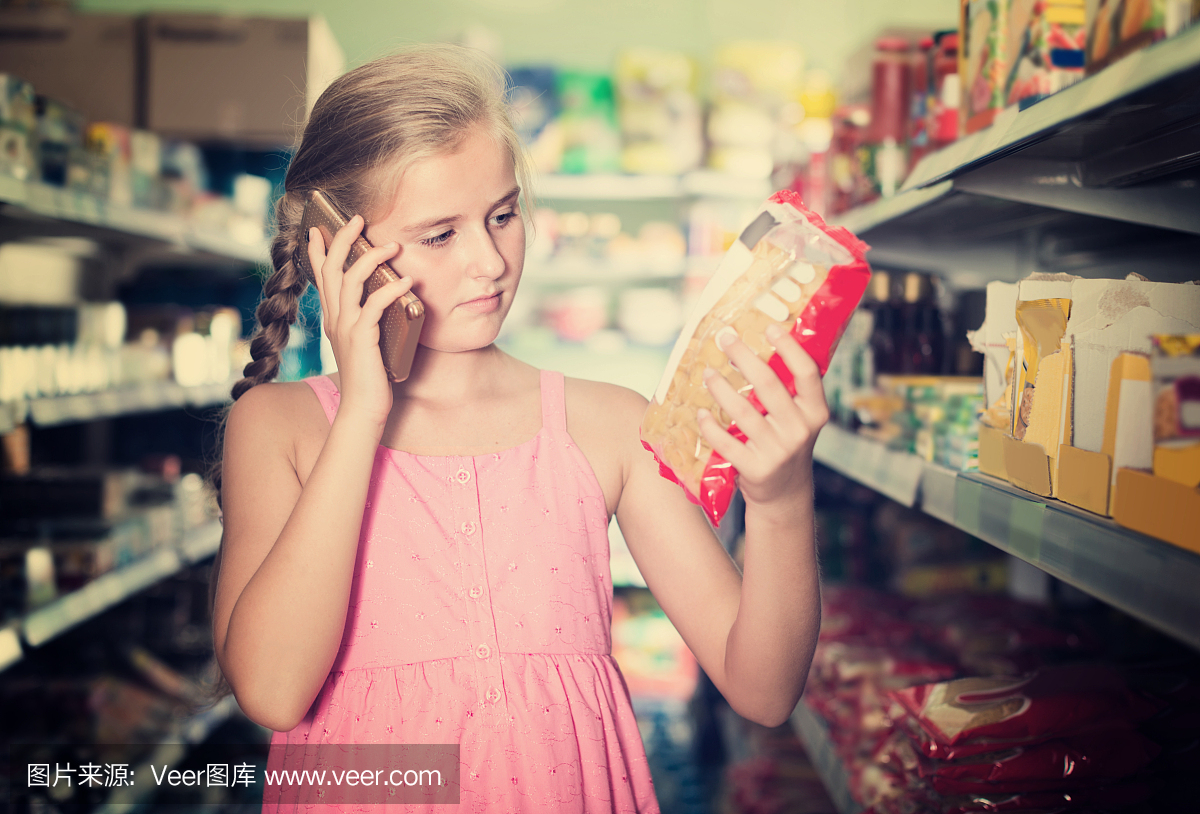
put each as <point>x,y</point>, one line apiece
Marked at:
<point>1083,478</point>
<point>244,79</point>
<point>88,61</point>
<point>1159,507</point>
<point>1040,389</point>
<point>991,452</point>
<point>1111,317</point>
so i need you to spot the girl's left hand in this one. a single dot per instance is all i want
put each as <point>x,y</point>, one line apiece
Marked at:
<point>775,462</point>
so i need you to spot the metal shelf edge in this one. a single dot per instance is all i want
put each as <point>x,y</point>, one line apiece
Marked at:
<point>1144,577</point>
<point>813,732</point>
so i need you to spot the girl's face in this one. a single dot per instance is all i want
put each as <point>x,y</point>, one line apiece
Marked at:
<point>458,223</point>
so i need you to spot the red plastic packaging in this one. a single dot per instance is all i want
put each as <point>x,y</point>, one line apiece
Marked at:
<point>1053,702</point>
<point>789,262</point>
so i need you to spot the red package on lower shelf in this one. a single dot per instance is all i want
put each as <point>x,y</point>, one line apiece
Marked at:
<point>1053,702</point>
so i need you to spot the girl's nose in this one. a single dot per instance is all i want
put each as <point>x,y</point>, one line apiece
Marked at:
<point>486,260</point>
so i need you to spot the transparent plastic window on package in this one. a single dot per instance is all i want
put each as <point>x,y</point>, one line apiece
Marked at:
<point>787,268</point>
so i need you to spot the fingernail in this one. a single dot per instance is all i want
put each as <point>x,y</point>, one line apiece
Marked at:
<point>393,245</point>
<point>702,413</point>
<point>725,337</point>
<point>774,332</point>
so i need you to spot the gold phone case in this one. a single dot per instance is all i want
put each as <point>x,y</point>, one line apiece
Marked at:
<point>400,324</point>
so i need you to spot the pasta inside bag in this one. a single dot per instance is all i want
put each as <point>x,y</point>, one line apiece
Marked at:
<point>787,268</point>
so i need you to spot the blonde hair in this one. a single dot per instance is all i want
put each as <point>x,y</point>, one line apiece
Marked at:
<point>364,131</point>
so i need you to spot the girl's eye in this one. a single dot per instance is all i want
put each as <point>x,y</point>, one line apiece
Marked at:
<point>438,240</point>
<point>503,219</point>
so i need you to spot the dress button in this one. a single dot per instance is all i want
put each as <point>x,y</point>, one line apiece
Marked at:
<point>483,651</point>
<point>468,528</point>
<point>462,476</point>
<point>476,592</point>
<point>493,695</point>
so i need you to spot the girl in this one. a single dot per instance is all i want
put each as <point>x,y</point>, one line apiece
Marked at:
<point>427,562</point>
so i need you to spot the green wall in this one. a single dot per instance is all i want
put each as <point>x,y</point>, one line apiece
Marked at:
<point>587,33</point>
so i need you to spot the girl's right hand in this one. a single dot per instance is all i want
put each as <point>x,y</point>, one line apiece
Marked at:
<point>353,329</point>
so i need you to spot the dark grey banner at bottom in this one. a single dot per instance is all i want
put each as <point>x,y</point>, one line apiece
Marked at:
<point>371,774</point>
<point>216,776</point>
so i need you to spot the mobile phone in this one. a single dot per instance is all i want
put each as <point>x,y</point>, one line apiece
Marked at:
<point>400,323</point>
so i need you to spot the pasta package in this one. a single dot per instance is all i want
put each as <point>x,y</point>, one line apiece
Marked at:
<point>787,268</point>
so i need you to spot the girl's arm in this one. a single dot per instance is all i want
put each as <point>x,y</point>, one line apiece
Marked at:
<point>754,633</point>
<point>288,552</point>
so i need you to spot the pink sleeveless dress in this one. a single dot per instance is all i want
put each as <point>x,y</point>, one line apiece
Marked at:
<point>480,615</point>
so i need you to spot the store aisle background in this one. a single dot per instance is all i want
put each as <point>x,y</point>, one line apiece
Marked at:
<point>124,673</point>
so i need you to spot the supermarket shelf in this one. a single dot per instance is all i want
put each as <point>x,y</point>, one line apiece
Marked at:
<point>864,218</point>
<point>171,752</point>
<point>146,397</point>
<point>42,625</point>
<point>894,474</point>
<point>813,732</point>
<point>1094,180</point>
<point>1147,578</point>
<point>1148,71</point>
<point>78,207</point>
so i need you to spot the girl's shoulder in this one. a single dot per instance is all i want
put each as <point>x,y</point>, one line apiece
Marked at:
<point>604,420</point>
<point>282,415</point>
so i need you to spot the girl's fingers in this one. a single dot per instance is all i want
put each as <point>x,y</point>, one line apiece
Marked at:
<point>750,420</point>
<point>768,388</point>
<point>721,441</point>
<point>356,277</point>
<point>314,236</point>
<point>375,305</point>
<point>810,392</point>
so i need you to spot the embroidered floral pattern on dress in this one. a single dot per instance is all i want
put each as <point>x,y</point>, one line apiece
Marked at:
<point>514,667</point>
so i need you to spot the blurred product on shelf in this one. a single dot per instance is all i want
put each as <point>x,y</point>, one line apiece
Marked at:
<point>1115,29</point>
<point>1175,368</point>
<point>851,186</point>
<point>933,417</point>
<point>885,155</point>
<point>62,159</point>
<point>18,124</point>
<point>653,657</point>
<point>1048,54</point>
<point>92,347</point>
<point>945,92</point>
<point>919,108</point>
<point>927,558</point>
<point>788,270</point>
<point>770,771</point>
<point>590,138</point>
<point>533,101</point>
<point>61,527</point>
<point>757,88</point>
<point>982,703</point>
<point>982,60</point>
<point>658,112</point>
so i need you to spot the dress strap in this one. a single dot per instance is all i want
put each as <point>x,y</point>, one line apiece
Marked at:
<point>327,394</point>
<point>554,402</point>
